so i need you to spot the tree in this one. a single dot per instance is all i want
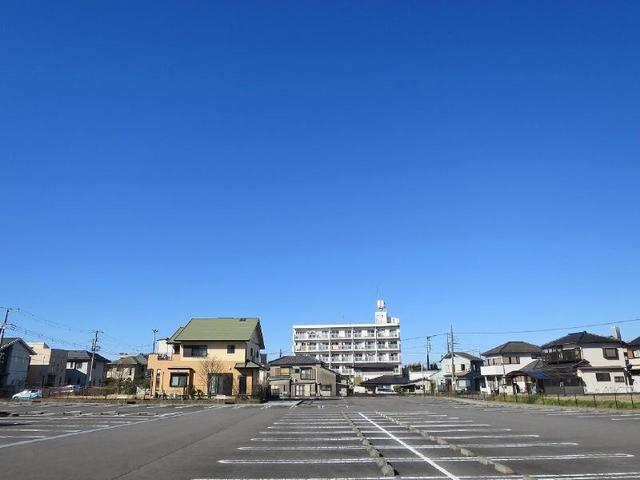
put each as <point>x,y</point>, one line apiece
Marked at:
<point>210,366</point>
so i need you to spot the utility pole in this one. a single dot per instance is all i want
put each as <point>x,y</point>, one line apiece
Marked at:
<point>428,348</point>
<point>3,327</point>
<point>453,365</point>
<point>94,349</point>
<point>155,330</point>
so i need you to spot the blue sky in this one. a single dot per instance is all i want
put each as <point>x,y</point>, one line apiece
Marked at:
<point>476,163</point>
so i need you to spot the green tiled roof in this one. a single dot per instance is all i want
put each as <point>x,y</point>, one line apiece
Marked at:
<point>223,329</point>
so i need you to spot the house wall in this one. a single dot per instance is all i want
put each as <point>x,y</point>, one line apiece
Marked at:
<point>225,363</point>
<point>48,362</point>
<point>125,372</point>
<point>493,375</point>
<point>593,385</point>
<point>80,375</point>
<point>595,356</point>
<point>18,359</point>
<point>322,383</point>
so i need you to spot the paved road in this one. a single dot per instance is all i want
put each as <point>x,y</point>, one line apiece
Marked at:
<point>315,440</point>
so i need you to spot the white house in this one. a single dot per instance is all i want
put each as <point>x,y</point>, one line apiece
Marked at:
<point>78,368</point>
<point>15,357</point>
<point>466,372</point>
<point>501,361</point>
<point>599,362</point>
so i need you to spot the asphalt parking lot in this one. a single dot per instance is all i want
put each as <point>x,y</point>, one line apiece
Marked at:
<point>331,439</point>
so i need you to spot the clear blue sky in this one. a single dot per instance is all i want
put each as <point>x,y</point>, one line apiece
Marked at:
<point>476,162</point>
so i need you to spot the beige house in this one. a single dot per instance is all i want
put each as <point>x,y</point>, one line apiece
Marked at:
<point>210,356</point>
<point>130,367</point>
<point>48,366</point>
<point>302,376</point>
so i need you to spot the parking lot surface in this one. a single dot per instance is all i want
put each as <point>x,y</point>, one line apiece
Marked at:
<point>349,439</point>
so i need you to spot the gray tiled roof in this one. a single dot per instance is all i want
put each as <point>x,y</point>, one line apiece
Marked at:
<point>387,380</point>
<point>515,346</point>
<point>295,360</point>
<point>468,356</point>
<point>84,355</point>
<point>581,338</point>
<point>635,342</point>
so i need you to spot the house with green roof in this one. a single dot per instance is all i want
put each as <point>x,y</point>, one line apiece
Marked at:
<point>211,357</point>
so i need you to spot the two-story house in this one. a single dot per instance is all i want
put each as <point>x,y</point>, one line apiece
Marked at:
<point>501,361</point>
<point>210,356</point>
<point>598,362</point>
<point>48,366</point>
<point>130,367</point>
<point>81,370</point>
<point>302,376</point>
<point>463,371</point>
<point>633,363</point>
<point>15,357</point>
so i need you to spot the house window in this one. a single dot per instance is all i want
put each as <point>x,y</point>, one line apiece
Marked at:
<point>618,379</point>
<point>603,377</point>
<point>306,374</point>
<point>179,380</point>
<point>195,351</point>
<point>78,365</point>
<point>463,367</point>
<point>231,349</point>
<point>610,353</point>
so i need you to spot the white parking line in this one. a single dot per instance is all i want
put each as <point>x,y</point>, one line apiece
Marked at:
<point>564,476</point>
<point>83,432</point>
<point>467,437</point>
<point>411,449</point>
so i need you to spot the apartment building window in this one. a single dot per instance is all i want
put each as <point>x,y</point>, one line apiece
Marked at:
<point>306,374</point>
<point>610,353</point>
<point>231,349</point>
<point>179,380</point>
<point>603,377</point>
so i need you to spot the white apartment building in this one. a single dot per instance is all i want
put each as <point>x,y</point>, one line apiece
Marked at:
<point>358,350</point>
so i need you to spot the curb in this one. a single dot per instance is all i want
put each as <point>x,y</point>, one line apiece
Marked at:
<point>498,467</point>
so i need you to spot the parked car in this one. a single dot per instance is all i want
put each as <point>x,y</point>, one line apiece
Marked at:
<point>27,395</point>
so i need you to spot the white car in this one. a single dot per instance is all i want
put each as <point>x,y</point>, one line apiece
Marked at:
<point>27,395</point>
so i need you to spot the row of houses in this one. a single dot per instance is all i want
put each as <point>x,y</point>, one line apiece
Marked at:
<point>580,362</point>
<point>36,365</point>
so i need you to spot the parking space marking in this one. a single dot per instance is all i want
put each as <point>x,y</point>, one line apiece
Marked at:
<point>411,449</point>
<point>92,430</point>
<point>567,476</point>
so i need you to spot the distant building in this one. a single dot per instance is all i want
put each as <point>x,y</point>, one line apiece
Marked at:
<point>504,359</point>
<point>15,357</point>
<point>579,362</point>
<point>465,374</point>
<point>359,351</point>
<point>48,366</point>
<point>387,384</point>
<point>302,376</point>
<point>130,367</point>
<point>79,365</point>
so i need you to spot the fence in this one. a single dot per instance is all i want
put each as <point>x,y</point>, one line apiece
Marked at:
<point>602,400</point>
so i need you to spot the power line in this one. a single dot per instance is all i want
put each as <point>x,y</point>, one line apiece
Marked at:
<point>557,329</point>
<point>540,330</point>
